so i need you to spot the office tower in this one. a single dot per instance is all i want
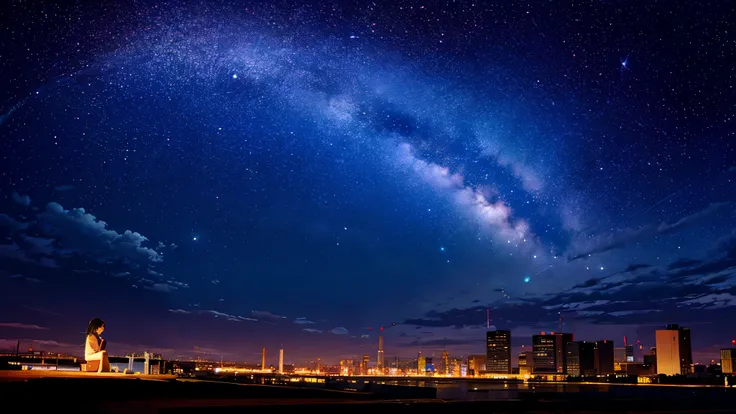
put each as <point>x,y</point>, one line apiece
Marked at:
<point>445,363</point>
<point>581,359</point>
<point>604,357</point>
<point>364,365</point>
<point>550,353</point>
<point>674,351</point>
<point>379,360</point>
<point>263,359</point>
<point>728,365</point>
<point>281,361</point>
<point>498,351</point>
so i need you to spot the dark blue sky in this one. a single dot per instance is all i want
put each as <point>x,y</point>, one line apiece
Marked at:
<point>233,175</point>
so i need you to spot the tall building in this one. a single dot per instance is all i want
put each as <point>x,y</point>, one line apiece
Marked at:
<point>364,365</point>
<point>581,359</point>
<point>550,352</point>
<point>421,364</point>
<point>445,363</point>
<point>604,357</point>
<point>263,359</point>
<point>498,351</point>
<point>281,361</point>
<point>674,350</point>
<point>379,360</point>
<point>728,363</point>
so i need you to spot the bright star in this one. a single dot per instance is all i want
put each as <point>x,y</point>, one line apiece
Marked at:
<point>442,249</point>
<point>527,279</point>
<point>235,76</point>
<point>194,238</point>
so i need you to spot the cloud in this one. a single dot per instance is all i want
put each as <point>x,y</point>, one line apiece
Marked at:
<point>685,290</point>
<point>81,232</point>
<point>12,224</point>
<point>215,313</point>
<point>14,252</point>
<point>629,236</point>
<point>339,331</point>
<point>303,321</point>
<point>58,235</point>
<point>21,326</point>
<point>266,315</point>
<point>312,330</point>
<point>23,200</point>
<point>182,311</point>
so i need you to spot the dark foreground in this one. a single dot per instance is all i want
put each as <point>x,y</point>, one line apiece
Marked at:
<point>143,396</point>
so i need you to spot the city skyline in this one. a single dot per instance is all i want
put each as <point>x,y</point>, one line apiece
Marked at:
<point>255,174</point>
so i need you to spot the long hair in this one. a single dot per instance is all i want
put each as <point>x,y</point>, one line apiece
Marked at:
<point>94,324</point>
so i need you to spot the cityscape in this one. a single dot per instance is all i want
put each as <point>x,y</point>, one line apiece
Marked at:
<point>554,356</point>
<point>502,206</point>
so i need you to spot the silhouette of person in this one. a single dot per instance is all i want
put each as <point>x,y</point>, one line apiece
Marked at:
<point>95,352</point>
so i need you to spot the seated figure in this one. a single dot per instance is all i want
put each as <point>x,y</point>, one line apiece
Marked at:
<point>95,353</point>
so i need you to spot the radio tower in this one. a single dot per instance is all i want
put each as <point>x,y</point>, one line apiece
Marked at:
<point>379,361</point>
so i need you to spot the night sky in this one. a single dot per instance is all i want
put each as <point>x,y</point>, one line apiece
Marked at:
<point>216,177</point>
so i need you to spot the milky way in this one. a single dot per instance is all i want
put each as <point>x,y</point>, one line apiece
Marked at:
<point>341,180</point>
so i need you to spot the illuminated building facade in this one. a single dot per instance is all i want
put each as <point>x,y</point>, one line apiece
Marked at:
<point>281,361</point>
<point>364,365</point>
<point>727,360</point>
<point>524,362</point>
<point>674,350</point>
<point>421,364</point>
<point>498,351</point>
<point>549,352</point>
<point>476,364</point>
<point>445,363</point>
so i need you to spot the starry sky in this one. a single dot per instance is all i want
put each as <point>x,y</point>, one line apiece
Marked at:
<point>216,177</point>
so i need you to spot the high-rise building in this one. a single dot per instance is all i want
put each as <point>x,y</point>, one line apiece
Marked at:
<point>581,359</point>
<point>379,360</point>
<point>550,353</point>
<point>421,364</point>
<point>674,350</point>
<point>364,365</point>
<point>728,361</point>
<point>281,361</point>
<point>445,363</point>
<point>604,356</point>
<point>498,351</point>
<point>263,359</point>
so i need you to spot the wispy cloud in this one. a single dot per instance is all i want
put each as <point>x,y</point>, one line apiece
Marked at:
<point>16,325</point>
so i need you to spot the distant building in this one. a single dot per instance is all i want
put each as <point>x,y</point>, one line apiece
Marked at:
<point>674,350</point>
<point>728,365</point>
<point>498,351</point>
<point>525,363</point>
<point>622,355</point>
<point>550,353</point>
<point>421,364</point>
<point>604,357</point>
<point>476,364</point>
<point>581,359</point>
